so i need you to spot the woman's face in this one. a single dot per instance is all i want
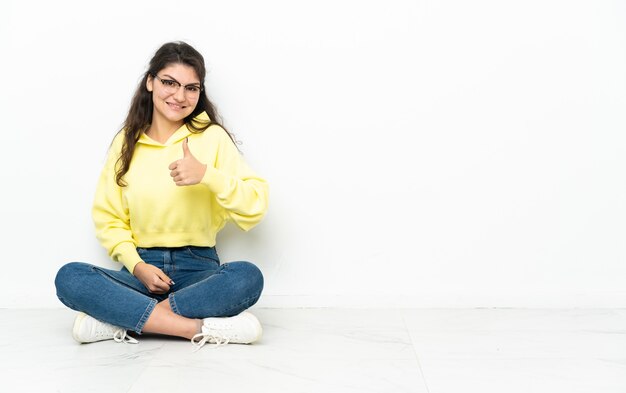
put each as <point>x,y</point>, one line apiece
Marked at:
<point>175,92</point>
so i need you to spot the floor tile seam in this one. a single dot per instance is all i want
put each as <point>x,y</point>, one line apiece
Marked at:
<point>417,357</point>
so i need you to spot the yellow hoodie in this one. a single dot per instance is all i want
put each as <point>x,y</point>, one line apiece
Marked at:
<point>152,211</point>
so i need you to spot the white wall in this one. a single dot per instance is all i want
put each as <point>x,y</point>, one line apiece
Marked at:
<point>420,153</point>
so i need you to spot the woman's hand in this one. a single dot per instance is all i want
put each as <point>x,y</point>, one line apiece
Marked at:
<point>188,170</point>
<point>153,278</point>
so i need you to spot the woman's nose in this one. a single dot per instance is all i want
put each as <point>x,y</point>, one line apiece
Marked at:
<point>180,94</point>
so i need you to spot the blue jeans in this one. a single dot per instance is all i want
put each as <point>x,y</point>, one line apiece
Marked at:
<point>202,287</point>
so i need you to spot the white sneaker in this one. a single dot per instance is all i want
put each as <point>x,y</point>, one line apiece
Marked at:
<point>87,329</point>
<point>240,329</point>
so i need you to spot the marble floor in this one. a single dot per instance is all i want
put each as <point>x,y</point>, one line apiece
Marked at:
<point>333,350</point>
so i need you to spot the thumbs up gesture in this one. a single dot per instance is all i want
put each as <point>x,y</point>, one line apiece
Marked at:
<point>188,170</point>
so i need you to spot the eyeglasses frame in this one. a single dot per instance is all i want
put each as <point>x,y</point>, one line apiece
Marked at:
<point>198,85</point>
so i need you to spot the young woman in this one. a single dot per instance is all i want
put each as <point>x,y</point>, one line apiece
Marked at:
<point>173,178</point>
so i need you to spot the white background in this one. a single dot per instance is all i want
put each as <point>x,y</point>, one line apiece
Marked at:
<point>420,153</point>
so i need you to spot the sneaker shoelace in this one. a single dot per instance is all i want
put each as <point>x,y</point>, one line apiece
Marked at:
<point>200,339</point>
<point>121,336</point>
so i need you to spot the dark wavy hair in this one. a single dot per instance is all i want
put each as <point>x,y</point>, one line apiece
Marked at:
<point>140,113</point>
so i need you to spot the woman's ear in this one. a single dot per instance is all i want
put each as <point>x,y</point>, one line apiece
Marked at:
<point>149,82</point>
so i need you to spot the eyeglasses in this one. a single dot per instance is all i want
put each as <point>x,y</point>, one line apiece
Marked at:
<point>171,86</point>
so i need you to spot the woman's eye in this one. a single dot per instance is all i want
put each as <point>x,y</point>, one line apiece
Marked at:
<point>192,89</point>
<point>169,83</point>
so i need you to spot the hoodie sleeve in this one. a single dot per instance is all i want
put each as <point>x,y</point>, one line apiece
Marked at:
<point>242,193</point>
<point>110,213</point>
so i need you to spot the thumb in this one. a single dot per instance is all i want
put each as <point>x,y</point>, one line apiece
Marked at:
<point>164,277</point>
<point>186,152</point>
